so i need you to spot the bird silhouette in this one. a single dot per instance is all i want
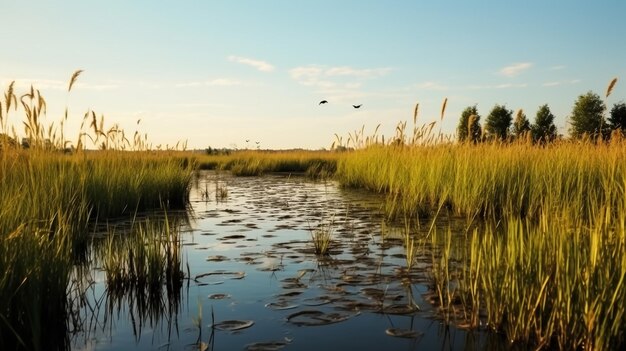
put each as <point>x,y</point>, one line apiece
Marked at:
<point>357,106</point>
<point>323,102</point>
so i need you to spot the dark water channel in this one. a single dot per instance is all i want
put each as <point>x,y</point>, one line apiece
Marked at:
<point>250,258</point>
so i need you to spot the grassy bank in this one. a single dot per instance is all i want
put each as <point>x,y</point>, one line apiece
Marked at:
<point>315,164</point>
<point>543,258</point>
<point>565,180</point>
<point>48,200</point>
<point>51,194</point>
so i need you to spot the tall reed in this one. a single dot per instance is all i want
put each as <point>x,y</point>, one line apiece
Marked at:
<point>48,198</point>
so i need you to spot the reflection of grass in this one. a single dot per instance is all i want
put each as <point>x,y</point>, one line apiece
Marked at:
<point>147,258</point>
<point>143,269</point>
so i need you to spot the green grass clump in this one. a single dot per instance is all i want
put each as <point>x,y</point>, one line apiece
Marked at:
<point>50,194</point>
<point>542,255</point>
<point>490,180</point>
<point>322,236</point>
<point>552,284</point>
<point>315,164</point>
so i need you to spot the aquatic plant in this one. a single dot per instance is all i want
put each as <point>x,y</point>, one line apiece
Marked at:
<point>321,236</point>
<point>314,164</point>
<point>51,189</point>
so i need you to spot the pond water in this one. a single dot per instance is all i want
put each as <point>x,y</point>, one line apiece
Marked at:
<point>249,258</point>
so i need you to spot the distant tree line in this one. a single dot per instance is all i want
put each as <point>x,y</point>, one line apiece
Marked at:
<point>587,120</point>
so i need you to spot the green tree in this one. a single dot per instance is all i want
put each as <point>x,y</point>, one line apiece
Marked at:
<point>543,129</point>
<point>587,116</point>
<point>617,120</point>
<point>498,122</point>
<point>521,125</point>
<point>469,125</point>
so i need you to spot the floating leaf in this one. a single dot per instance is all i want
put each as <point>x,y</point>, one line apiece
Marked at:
<point>219,296</point>
<point>266,346</point>
<point>217,258</point>
<point>232,325</point>
<point>315,318</point>
<point>233,237</point>
<point>236,275</point>
<point>403,333</point>
<point>317,301</point>
<point>399,309</point>
<point>280,305</point>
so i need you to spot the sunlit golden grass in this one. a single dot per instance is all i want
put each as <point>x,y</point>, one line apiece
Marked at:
<point>50,193</point>
<point>551,284</point>
<point>542,259</point>
<point>488,180</point>
<point>316,164</point>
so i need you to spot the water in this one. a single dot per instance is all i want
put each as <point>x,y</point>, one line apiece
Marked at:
<point>250,258</point>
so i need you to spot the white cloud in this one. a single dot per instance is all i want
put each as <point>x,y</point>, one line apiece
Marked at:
<point>208,83</point>
<point>337,83</point>
<point>556,68</point>
<point>556,83</point>
<point>498,86</point>
<point>315,72</point>
<point>509,85</point>
<point>258,64</point>
<point>362,73</point>
<point>326,78</point>
<point>515,69</point>
<point>551,84</point>
<point>306,72</point>
<point>51,84</point>
<point>430,86</point>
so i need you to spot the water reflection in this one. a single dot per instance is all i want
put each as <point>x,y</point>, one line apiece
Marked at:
<point>245,254</point>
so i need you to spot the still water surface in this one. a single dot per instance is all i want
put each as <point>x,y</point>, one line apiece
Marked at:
<point>250,258</point>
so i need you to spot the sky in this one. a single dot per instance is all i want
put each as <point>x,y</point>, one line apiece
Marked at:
<point>218,73</point>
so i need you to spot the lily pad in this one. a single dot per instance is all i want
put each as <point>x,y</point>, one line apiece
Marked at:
<point>317,301</point>
<point>402,333</point>
<point>217,258</point>
<point>219,296</point>
<point>232,325</point>
<point>280,305</point>
<point>266,346</point>
<point>399,309</point>
<point>235,275</point>
<point>316,318</point>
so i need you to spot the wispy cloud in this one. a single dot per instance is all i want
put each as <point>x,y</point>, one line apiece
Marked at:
<point>209,83</point>
<point>497,86</point>
<point>556,68</point>
<point>361,73</point>
<point>317,72</point>
<point>430,86</point>
<point>52,84</point>
<point>258,64</point>
<point>557,83</point>
<point>338,81</point>
<point>515,69</point>
<point>551,84</point>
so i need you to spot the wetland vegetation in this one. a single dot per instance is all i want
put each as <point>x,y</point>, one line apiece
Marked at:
<point>482,243</point>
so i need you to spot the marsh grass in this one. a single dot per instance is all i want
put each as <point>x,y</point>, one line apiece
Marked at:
<point>322,236</point>
<point>542,259</point>
<point>144,271</point>
<point>51,191</point>
<point>314,164</point>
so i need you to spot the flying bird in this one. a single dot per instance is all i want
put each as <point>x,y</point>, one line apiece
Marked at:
<point>323,102</point>
<point>357,106</point>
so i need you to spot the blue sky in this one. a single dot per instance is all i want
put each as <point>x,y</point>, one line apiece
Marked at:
<point>215,73</point>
